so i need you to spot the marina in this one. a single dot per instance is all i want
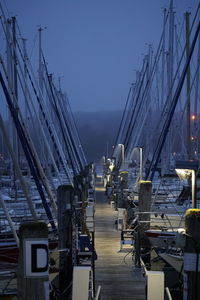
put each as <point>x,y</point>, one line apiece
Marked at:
<point>123,226</point>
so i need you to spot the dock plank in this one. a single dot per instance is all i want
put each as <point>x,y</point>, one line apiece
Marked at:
<point>115,270</point>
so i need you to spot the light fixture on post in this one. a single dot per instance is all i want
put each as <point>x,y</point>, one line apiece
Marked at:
<point>186,170</point>
<point>122,152</point>
<point>140,149</point>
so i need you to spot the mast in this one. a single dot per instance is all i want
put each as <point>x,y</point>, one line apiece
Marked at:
<point>17,168</point>
<point>187,32</point>
<point>25,57</point>
<point>163,61</point>
<point>40,85</point>
<point>14,83</point>
<point>170,81</point>
<point>196,116</point>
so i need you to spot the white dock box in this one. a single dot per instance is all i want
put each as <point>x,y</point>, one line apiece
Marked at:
<point>89,211</point>
<point>155,285</point>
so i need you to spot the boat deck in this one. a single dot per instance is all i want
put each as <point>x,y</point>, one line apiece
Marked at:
<point>115,271</point>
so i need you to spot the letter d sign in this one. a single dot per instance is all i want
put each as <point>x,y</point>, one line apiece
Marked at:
<point>36,257</point>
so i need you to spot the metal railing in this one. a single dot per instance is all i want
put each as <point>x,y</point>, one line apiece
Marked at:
<point>169,297</point>
<point>98,294</point>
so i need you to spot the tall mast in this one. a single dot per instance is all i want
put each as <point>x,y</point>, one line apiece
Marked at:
<point>9,72</point>
<point>170,64</point>
<point>15,87</point>
<point>40,58</point>
<point>197,90</point>
<point>163,61</point>
<point>25,80</point>
<point>40,81</point>
<point>187,31</point>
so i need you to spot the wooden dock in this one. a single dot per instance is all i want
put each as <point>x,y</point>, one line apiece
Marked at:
<point>115,271</point>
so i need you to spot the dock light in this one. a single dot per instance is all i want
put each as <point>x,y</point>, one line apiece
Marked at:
<point>193,117</point>
<point>122,152</point>
<point>186,170</point>
<point>140,149</point>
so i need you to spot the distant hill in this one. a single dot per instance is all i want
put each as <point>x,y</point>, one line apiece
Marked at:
<point>97,131</point>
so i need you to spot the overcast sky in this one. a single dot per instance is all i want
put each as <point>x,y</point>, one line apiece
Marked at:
<point>94,46</point>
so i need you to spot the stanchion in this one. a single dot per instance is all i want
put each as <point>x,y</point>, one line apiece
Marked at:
<point>192,255</point>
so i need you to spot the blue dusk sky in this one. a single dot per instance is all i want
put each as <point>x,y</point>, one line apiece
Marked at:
<point>94,46</point>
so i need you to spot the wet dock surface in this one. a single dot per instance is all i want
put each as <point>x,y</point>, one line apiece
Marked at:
<point>115,271</point>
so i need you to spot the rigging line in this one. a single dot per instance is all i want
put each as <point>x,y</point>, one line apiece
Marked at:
<point>42,175</point>
<point>138,113</point>
<point>141,103</point>
<point>33,153</point>
<point>122,119</point>
<point>27,151</point>
<point>70,139</point>
<point>65,138</point>
<point>25,63</point>
<point>147,86</point>
<point>179,79</point>
<point>67,142</point>
<point>73,123</point>
<point>58,120</point>
<point>157,57</point>
<point>34,43</point>
<point>77,132</point>
<point>135,106</point>
<point>175,76</point>
<point>17,167</point>
<point>129,109</point>
<point>178,36</point>
<point>173,194</point>
<point>163,112</point>
<point>185,106</point>
<point>18,44</point>
<point>40,106</point>
<point>43,114</point>
<point>37,118</point>
<point>165,129</point>
<point>167,105</point>
<point>66,123</point>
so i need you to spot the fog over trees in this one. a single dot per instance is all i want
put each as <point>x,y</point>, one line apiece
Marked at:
<point>97,132</point>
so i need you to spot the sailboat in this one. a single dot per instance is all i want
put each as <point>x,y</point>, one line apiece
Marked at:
<point>39,138</point>
<point>154,121</point>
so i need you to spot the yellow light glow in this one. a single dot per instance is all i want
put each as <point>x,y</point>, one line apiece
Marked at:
<point>183,173</point>
<point>193,117</point>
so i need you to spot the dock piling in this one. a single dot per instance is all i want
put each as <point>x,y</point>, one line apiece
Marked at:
<point>33,270</point>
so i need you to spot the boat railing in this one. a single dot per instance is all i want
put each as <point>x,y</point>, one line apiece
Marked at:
<point>163,220</point>
<point>168,294</point>
<point>98,294</point>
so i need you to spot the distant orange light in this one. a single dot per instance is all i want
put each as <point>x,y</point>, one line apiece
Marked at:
<point>193,117</point>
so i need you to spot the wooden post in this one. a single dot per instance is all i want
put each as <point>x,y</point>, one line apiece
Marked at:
<point>144,197</point>
<point>33,270</point>
<point>137,249</point>
<point>93,264</point>
<point>65,194</point>
<point>142,244</point>
<point>191,288</point>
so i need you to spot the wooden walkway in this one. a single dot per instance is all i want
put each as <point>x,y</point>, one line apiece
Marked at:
<point>115,271</point>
